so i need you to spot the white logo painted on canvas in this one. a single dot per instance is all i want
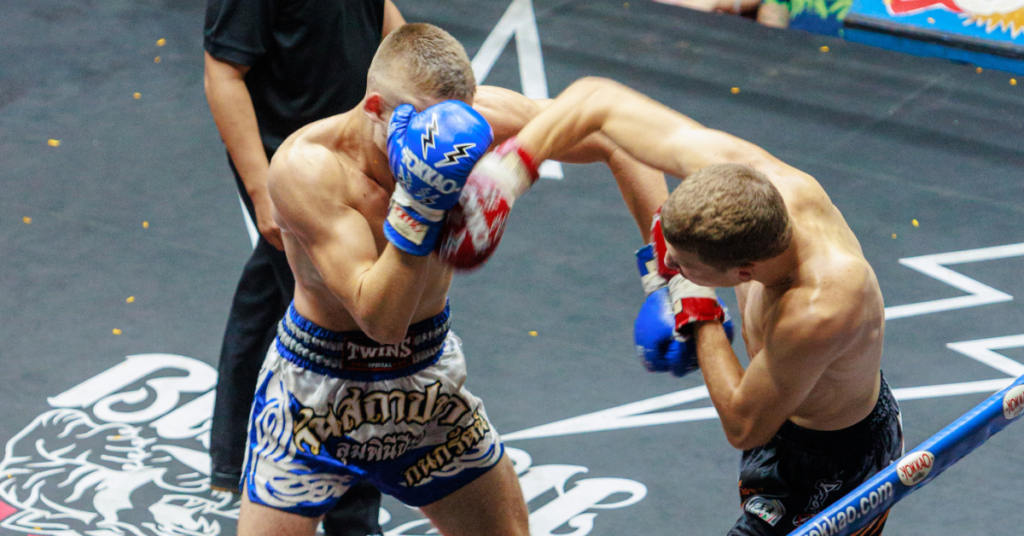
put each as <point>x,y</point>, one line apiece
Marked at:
<point>80,469</point>
<point>125,453</point>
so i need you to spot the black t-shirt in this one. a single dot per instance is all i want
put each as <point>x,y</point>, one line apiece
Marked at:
<point>308,58</point>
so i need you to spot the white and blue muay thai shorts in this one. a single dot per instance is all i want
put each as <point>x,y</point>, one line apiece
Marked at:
<point>335,407</point>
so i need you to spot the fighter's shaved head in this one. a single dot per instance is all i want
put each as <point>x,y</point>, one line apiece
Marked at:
<point>428,58</point>
<point>729,215</point>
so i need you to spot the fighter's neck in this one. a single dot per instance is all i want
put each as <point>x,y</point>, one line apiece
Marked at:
<point>782,272</point>
<point>355,140</point>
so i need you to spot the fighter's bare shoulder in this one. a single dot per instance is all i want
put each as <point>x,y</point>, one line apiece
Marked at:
<point>828,306</point>
<point>308,183</point>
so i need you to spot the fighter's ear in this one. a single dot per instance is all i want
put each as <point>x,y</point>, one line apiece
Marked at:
<point>746,272</point>
<point>373,107</point>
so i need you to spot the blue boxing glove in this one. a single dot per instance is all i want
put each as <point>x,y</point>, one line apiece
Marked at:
<point>658,346</point>
<point>663,331</point>
<point>431,154</point>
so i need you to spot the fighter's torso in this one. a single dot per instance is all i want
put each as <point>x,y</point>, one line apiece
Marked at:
<point>359,178</point>
<point>839,280</point>
<point>348,183</point>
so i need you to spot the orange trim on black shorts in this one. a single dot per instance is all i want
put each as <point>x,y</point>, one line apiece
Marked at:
<point>875,527</point>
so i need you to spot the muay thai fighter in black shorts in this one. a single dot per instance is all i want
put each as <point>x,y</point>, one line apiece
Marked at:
<point>811,409</point>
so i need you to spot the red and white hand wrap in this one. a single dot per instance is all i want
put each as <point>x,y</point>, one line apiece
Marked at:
<point>474,226</point>
<point>690,302</point>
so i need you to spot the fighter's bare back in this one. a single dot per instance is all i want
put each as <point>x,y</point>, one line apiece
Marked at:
<point>833,280</point>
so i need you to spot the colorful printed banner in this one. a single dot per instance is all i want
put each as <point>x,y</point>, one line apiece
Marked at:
<point>998,21</point>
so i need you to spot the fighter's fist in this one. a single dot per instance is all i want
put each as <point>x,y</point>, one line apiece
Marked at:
<point>690,302</point>
<point>431,154</point>
<point>475,225</point>
<point>658,346</point>
<point>663,331</point>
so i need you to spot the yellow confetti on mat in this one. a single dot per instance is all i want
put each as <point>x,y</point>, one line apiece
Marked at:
<point>26,219</point>
<point>533,333</point>
<point>931,20</point>
<point>53,143</point>
<point>894,236</point>
<point>1013,81</point>
<point>137,95</point>
<point>156,59</point>
<point>145,225</point>
<point>117,331</point>
<point>130,299</point>
<point>161,42</point>
<point>625,5</point>
<point>735,90</point>
<point>824,48</point>
<point>914,223</point>
<point>978,70</point>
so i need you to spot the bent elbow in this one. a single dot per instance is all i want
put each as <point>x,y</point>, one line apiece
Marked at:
<point>588,83</point>
<point>384,332</point>
<point>744,442</point>
<point>588,88</point>
<point>735,435</point>
<point>390,337</point>
<point>595,83</point>
<point>744,432</point>
<point>746,437</point>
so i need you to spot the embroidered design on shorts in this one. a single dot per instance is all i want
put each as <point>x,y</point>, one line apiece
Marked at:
<point>820,498</point>
<point>818,501</point>
<point>313,432</point>
<point>768,510</point>
<point>377,449</point>
<point>461,440</point>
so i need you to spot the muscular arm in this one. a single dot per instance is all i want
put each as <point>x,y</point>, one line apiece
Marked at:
<point>235,117</point>
<point>753,404</point>
<point>643,188</point>
<point>646,129</point>
<point>381,292</point>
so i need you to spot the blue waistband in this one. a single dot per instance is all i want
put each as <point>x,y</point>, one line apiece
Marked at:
<point>355,356</point>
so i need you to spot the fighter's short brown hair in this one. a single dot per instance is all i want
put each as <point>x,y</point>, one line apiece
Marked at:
<point>430,58</point>
<point>729,215</point>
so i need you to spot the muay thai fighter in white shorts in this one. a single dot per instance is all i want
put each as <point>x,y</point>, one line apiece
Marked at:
<point>397,415</point>
<point>365,380</point>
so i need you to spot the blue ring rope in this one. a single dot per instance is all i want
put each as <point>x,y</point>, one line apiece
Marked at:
<point>919,466</point>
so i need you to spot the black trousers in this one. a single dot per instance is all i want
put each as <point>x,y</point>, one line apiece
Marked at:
<point>264,291</point>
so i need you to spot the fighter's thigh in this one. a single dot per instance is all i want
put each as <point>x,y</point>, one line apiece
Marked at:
<point>258,520</point>
<point>492,504</point>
